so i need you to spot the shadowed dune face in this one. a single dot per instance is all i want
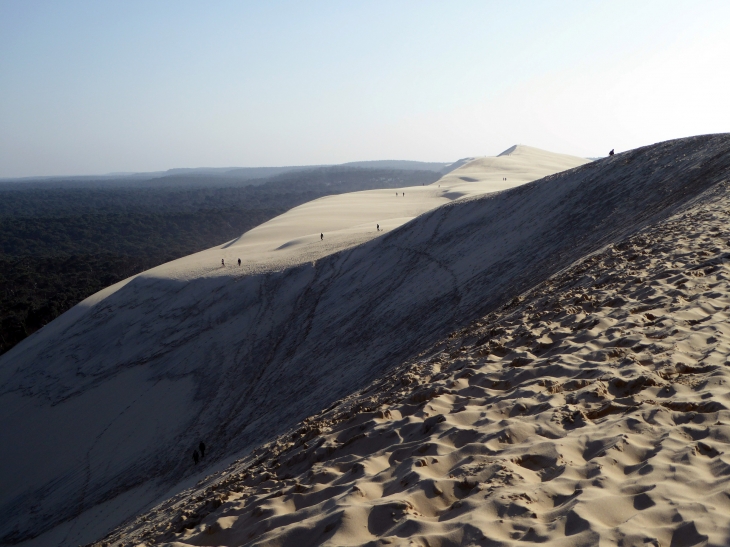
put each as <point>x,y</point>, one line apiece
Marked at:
<point>516,165</point>
<point>594,409</point>
<point>350,219</point>
<point>235,360</point>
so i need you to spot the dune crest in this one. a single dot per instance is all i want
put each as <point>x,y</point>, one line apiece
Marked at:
<point>124,388</point>
<point>593,409</point>
<point>347,220</point>
<point>513,167</point>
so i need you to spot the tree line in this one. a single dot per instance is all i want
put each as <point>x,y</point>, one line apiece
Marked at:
<point>60,243</point>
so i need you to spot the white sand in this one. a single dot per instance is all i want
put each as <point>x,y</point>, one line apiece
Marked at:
<point>238,359</point>
<point>103,402</point>
<point>594,411</point>
<point>349,219</point>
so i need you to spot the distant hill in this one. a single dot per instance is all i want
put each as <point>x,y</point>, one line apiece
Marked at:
<point>217,176</point>
<point>125,385</point>
<point>406,165</point>
<point>63,240</point>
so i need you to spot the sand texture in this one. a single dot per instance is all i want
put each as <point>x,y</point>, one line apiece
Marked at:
<point>350,219</point>
<point>105,405</point>
<point>592,409</point>
<point>106,402</point>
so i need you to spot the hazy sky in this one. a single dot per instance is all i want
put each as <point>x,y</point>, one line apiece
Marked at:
<point>97,87</point>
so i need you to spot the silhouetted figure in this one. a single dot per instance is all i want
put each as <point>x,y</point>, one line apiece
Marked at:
<point>611,152</point>
<point>239,261</point>
<point>321,237</point>
<point>223,263</point>
<point>196,458</point>
<point>378,227</point>
<point>201,446</point>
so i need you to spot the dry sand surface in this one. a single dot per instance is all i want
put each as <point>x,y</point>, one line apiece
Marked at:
<point>347,220</point>
<point>105,404</point>
<point>591,410</point>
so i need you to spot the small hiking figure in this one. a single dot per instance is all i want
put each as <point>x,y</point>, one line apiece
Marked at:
<point>223,263</point>
<point>321,237</point>
<point>201,446</point>
<point>378,227</point>
<point>611,152</point>
<point>239,261</point>
<point>196,458</point>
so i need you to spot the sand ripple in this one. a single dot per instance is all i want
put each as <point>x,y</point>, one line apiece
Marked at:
<point>593,409</point>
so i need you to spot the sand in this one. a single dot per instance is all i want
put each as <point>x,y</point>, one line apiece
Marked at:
<point>350,219</point>
<point>103,403</point>
<point>591,409</point>
<point>126,387</point>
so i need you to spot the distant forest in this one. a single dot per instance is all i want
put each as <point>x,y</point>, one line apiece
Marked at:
<point>61,241</point>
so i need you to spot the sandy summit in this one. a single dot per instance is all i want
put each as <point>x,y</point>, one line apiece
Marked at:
<point>478,361</point>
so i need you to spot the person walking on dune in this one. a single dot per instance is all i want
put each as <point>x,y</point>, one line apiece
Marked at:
<point>321,237</point>
<point>223,263</point>
<point>239,261</point>
<point>377,227</point>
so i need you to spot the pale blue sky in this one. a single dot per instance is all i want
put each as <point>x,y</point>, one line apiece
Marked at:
<point>95,87</point>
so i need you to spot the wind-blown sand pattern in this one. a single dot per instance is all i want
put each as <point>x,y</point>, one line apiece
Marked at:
<point>350,219</point>
<point>105,404</point>
<point>592,409</point>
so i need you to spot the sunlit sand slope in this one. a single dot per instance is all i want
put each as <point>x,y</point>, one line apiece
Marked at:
<point>593,409</point>
<point>347,220</point>
<point>105,405</point>
<point>516,165</point>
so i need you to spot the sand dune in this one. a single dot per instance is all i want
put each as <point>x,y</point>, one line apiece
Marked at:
<point>516,165</point>
<point>101,401</point>
<point>109,400</point>
<point>592,409</point>
<point>350,219</point>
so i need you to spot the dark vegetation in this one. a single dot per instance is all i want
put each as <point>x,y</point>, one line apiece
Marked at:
<point>64,240</point>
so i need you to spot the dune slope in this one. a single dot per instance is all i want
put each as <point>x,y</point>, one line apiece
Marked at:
<point>106,404</point>
<point>593,409</point>
<point>349,219</point>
